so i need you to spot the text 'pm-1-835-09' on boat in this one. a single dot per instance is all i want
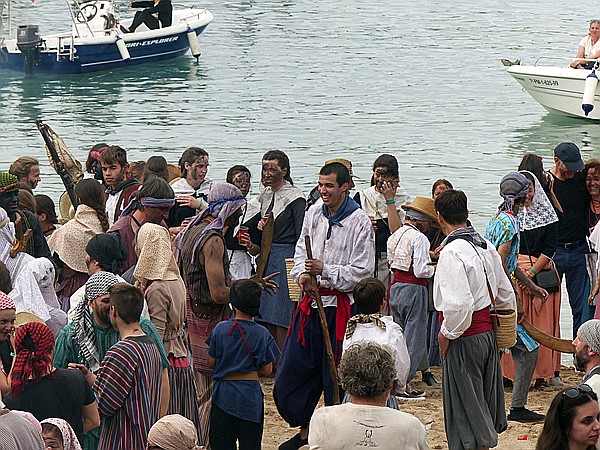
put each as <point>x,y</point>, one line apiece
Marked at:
<point>97,40</point>
<point>561,90</point>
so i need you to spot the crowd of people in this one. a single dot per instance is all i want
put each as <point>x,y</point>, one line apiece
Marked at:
<point>161,298</point>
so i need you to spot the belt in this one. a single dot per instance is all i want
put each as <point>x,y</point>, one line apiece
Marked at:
<point>206,311</point>
<point>235,376</point>
<point>568,245</point>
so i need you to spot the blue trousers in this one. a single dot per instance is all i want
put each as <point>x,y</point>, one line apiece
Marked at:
<point>570,262</point>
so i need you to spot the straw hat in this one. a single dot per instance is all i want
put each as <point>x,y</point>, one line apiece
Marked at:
<point>345,162</point>
<point>67,212</point>
<point>24,317</point>
<point>424,205</point>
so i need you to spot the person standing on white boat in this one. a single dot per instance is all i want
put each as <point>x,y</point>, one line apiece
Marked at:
<point>191,190</point>
<point>382,202</point>
<point>287,203</point>
<point>589,48</point>
<point>158,14</point>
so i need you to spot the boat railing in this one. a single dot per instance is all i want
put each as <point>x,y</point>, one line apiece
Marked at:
<point>545,60</point>
<point>5,12</point>
<point>77,4</point>
<point>60,49</point>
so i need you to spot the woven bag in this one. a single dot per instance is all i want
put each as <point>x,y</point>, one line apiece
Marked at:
<point>504,323</point>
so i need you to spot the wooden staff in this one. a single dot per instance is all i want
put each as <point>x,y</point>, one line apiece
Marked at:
<point>324,328</point>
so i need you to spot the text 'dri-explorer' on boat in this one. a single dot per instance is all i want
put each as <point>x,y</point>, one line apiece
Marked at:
<point>96,40</point>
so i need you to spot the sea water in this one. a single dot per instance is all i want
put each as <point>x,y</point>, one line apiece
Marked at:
<point>320,79</point>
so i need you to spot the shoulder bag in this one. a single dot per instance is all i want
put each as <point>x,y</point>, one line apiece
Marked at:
<point>546,278</point>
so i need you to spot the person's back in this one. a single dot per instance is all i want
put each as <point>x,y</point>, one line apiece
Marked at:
<point>350,425</point>
<point>128,388</point>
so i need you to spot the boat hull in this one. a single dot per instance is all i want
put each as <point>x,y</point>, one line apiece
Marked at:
<point>559,90</point>
<point>102,53</point>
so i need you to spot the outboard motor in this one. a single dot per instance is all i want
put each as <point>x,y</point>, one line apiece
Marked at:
<point>29,44</point>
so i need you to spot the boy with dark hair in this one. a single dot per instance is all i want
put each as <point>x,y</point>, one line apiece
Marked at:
<point>370,325</point>
<point>131,386</point>
<point>119,184</point>
<point>239,350</point>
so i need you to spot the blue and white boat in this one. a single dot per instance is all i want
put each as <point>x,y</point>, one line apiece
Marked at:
<point>96,42</point>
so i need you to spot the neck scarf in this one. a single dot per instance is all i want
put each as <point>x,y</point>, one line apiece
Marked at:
<point>70,441</point>
<point>347,208</point>
<point>513,186</point>
<point>468,234</point>
<point>540,212</point>
<point>124,184</point>
<point>363,318</point>
<point>34,343</point>
<point>224,199</point>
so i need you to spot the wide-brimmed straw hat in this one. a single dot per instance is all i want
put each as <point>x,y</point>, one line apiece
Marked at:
<point>424,205</point>
<point>24,317</point>
<point>345,162</point>
<point>67,212</point>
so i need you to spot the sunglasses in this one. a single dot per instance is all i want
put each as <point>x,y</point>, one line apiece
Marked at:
<point>575,392</point>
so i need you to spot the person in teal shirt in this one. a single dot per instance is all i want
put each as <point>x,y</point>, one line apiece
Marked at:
<point>87,339</point>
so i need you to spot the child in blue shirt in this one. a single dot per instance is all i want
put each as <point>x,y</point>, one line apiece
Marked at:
<point>239,350</point>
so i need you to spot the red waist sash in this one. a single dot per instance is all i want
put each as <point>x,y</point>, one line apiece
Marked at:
<point>481,322</point>
<point>400,276</point>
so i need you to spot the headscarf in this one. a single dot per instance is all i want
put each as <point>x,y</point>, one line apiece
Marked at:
<point>83,323</point>
<point>108,250</point>
<point>6,302</point>
<point>174,432</point>
<point>155,260</point>
<point>513,186</point>
<point>7,240</point>
<point>8,182</point>
<point>30,417</point>
<point>70,240</point>
<point>590,333</point>
<point>34,343</point>
<point>224,199</point>
<point>70,441</point>
<point>540,212</point>
<point>33,288</point>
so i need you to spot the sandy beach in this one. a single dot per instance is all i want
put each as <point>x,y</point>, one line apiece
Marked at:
<point>518,436</point>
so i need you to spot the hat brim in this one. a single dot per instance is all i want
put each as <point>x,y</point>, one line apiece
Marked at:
<point>575,166</point>
<point>433,219</point>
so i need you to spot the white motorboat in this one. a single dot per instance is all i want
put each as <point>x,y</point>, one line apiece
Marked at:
<point>561,90</point>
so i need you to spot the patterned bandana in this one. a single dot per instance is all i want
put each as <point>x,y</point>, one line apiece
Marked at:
<point>97,285</point>
<point>363,318</point>
<point>70,441</point>
<point>224,200</point>
<point>6,302</point>
<point>8,182</point>
<point>34,343</point>
<point>540,212</point>
<point>513,186</point>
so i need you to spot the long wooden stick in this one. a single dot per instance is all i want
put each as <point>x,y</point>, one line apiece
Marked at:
<point>324,329</point>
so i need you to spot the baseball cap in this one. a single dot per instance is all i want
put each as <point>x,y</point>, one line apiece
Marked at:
<point>570,155</point>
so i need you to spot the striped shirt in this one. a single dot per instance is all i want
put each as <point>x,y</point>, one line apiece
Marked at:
<point>127,387</point>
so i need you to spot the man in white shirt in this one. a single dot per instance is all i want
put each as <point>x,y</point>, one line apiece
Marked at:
<point>408,255</point>
<point>343,253</point>
<point>368,374</point>
<point>468,273</point>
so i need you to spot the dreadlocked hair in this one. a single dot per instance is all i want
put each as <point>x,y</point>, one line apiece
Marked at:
<point>34,344</point>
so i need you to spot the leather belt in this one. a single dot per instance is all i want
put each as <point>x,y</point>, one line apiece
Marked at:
<point>234,376</point>
<point>206,311</point>
<point>568,245</point>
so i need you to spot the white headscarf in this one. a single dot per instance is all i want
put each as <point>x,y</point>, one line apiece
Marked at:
<point>7,240</point>
<point>540,212</point>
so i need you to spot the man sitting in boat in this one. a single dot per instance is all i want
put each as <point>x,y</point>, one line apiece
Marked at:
<point>589,48</point>
<point>158,13</point>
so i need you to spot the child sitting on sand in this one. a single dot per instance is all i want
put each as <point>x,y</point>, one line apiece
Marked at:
<point>370,325</point>
<point>239,350</point>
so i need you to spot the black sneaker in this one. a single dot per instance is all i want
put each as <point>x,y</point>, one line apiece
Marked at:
<point>294,443</point>
<point>412,395</point>
<point>522,414</point>
<point>430,380</point>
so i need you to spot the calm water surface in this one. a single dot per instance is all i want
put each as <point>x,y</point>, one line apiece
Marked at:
<point>320,79</point>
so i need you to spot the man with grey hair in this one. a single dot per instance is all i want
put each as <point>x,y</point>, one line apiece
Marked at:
<point>367,372</point>
<point>587,353</point>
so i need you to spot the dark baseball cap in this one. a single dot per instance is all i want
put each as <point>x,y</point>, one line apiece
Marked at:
<point>569,154</point>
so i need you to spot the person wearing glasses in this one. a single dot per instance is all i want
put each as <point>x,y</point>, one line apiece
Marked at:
<point>572,422</point>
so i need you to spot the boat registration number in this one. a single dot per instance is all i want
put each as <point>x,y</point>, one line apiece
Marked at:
<point>543,82</point>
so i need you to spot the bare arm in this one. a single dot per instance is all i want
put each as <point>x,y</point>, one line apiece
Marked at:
<point>165,393</point>
<point>266,370</point>
<point>91,417</point>
<point>212,253</point>
<point>211,362</point>
<point>580,55</point>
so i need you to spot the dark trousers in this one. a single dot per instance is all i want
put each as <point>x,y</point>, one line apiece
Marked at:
<point>227,430</point>
<point>144,17</point>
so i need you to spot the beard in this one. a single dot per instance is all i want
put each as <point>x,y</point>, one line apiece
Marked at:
<point>580,361</point>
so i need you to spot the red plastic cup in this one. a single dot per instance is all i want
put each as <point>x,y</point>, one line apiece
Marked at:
<point>243,233</point>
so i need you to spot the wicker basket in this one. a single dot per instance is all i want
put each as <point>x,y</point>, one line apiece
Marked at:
<point>293,288</point>
<point>504,322</point>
